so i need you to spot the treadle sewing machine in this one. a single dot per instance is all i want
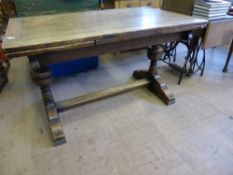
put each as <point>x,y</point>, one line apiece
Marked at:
<point>223,27</point>
<point>64,37</point>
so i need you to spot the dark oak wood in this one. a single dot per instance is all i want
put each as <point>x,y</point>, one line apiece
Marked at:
<point>100,47</point>
<point>59,57</point>
<point>48,49</point>
<point>99,95</point>
<point>161,90</point>
<point>65,37</point>
<point>42,32</point>
<point>155,86</point>
<point>42,77</point>
<point>55,124</point>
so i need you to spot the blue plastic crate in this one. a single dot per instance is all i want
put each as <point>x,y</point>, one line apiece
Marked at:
<point>77,66</point>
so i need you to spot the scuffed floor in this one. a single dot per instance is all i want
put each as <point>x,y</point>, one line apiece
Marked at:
<point>130,134</point>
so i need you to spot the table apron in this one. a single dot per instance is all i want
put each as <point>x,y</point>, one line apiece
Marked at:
<point>63,56</point>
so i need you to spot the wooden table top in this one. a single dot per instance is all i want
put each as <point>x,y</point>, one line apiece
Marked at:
<point>82,27</point>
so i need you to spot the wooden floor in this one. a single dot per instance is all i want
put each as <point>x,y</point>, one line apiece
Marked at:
<point>131,134</point>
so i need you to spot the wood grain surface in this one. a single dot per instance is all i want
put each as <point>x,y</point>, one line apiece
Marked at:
<point>219,32</point>
<point>28,33</point>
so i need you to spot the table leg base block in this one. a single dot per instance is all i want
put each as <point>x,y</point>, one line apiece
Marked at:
<point>164,94</point>
<point>156,86</point>
<point>59,142</point>
<point>57,133</point>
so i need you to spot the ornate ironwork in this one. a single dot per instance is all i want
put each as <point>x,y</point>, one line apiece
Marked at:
<point>194,61</point>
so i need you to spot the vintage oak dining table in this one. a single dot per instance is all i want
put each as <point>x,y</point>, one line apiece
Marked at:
<point>58,38</point>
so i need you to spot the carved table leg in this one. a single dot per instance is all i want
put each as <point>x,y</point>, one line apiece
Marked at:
<point>156,86</point>
<point>42,77</point>
<point>225,69</point>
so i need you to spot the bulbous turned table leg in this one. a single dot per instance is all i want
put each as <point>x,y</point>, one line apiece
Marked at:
<point>155,86</point>
<point>42,77</point>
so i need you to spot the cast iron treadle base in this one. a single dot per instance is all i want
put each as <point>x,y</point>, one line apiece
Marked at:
<point>191,64</point>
